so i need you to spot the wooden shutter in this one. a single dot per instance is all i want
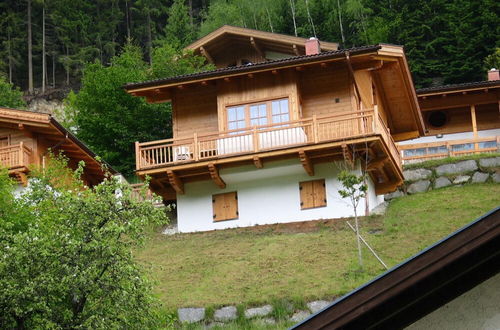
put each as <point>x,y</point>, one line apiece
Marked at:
<point>225,206</point>
<point>312,194</point>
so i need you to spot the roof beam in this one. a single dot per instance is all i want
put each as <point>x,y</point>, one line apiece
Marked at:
<point>306,163</point>
<point>456,101</point>
<point>214,174</point>
<point>257,48</point>
<point>175,182</point>
<point>295,50</point>
<point>258,162</point>
<point>204,52</point>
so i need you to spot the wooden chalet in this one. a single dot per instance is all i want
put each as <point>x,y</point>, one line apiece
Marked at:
<point>306,104</point>
<point>460,119</point>
<point>26,138</point>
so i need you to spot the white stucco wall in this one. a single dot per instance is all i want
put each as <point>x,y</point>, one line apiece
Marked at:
<point>450,137</point>
<point>478,308</point>
<point>265,196</point>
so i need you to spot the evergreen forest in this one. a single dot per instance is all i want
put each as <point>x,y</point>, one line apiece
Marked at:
<point>46,43</point>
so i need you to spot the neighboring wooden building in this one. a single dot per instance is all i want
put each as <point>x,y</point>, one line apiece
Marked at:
<point>453,284</point>
<point>258,142</point>
<point>460,119</point>
<point>26,138</point>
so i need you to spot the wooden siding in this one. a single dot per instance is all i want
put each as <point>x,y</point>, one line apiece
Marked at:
<point>194,111</point>
<point>260,87</point>
<point>17,136</point>
<point>319,89</point>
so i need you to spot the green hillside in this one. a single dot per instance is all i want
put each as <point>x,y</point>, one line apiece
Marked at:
<point>299,263</point>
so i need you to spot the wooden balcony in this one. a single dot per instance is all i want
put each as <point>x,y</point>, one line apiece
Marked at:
<point>346,134</point>
<point>419,152</point>
<point>16,158</point>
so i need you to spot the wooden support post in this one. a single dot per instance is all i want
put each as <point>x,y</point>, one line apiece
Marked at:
<point>175,182</point>
<point>255,137</point>
<point>204,52</point>
<point>315,128</point>
<point>295,50</point>
<point>214,174</point>
<point>348,156</point>
<point>306,163</point>
<point>23,178</point>
<point>376,163</point>
<point>257,48</point>
<point>21,154</point>
<point>474,125</point>
<point>196,151</point>
<point>375,118</point>
<point>258,162</point>
<point>138,162</point>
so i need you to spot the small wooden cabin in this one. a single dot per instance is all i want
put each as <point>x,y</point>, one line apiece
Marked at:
<point>263,121</point>
<point>26,138</point>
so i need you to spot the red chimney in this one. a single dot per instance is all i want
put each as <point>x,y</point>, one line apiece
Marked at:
<point>312,46</point>
<point>493,74</point>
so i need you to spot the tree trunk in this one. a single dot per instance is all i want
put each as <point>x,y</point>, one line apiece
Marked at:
<point>191,12</point>
<point>340,23</point>
<point>44,60</point>
<point>54,70</point>
<point>127,18</point>
<point>310,18</point>
<point>30,52</point>
<point>150,41</point>
<point>292,7</point>
<point>358,238</point>
<point>270,20</point>
<point>10,55</point>
<point>67,66</point>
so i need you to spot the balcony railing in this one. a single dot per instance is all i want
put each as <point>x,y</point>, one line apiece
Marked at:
<point>318,129</point>
<point>418,152</point>
<point>15,156</point>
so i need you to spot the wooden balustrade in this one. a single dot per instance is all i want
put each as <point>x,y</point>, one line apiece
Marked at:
<point>318,129</point>
<point>417,152</point>
<point>15,156</point>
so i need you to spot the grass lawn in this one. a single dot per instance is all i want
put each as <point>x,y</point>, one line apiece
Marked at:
<point>252,266</point>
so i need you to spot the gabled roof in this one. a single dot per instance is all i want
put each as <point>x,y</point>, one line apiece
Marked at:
<point>48,127</point>
<point>421,284</point>
<point>274,41</point>
<point>276,64</point>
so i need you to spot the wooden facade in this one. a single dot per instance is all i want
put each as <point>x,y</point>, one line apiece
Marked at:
<point>28,137</point>
<point>448,110</point>
<point>339,105</point>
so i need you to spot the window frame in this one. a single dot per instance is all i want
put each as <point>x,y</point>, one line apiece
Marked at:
<point>248,119</point>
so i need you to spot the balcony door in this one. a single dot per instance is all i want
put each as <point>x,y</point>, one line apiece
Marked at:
<point>259,114</point>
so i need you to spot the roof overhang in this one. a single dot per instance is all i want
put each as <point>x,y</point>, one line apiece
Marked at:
<point>49,128</point>
<point>274,41</point>
<point>421,284</point>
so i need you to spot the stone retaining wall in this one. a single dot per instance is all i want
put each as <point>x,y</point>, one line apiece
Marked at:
<point>452,174</point>
<point>263,315</point>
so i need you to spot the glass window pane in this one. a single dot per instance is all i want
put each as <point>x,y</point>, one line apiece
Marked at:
<point>284,106</point>
<point>263,121</point>
<point>241,124</point>
<point>232,125</point>
<point>254,111</point>
<point>285,118</point>
<point>262,110</point>
<point>254,122</point>
<point>231,114</point>
<point>276,107</point>
<point>240,113</point>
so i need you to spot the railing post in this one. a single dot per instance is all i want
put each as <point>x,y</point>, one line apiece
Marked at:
<point>449,147</point>
<point>315,128</point>
<point>137,156</point>
<point>375,118</point>
<point>255,139</point>
<point>21,151</point>
<point>195,147</point>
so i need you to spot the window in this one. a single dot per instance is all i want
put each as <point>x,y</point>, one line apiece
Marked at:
<point>312,194</point>
<point>225,206</point>
<point>257,114</point>
<point>4,141</point>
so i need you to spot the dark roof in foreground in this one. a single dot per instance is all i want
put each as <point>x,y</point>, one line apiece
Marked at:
<point>295,60</point>
<point>469,85</point>
<point>421,284</point>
